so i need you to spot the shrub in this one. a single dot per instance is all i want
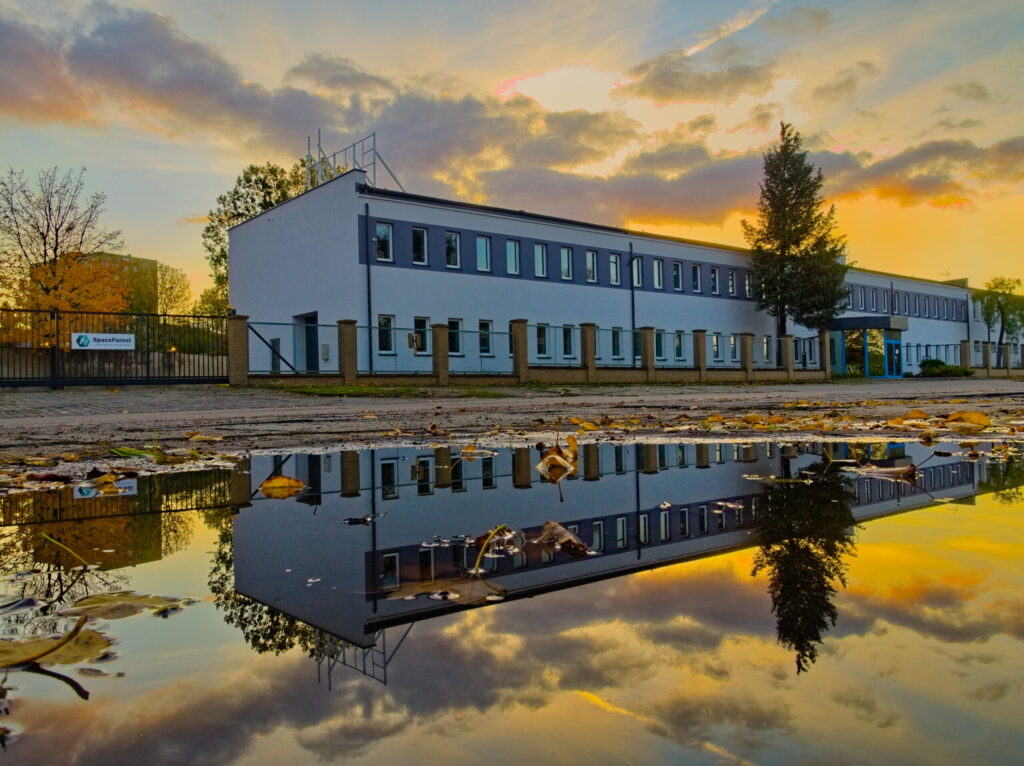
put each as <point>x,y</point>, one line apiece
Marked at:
<point>936,368</point>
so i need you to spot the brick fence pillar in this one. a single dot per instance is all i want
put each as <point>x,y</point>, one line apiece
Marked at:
<point>1007,360</point>
<point>700,354</point>
<point>965,354</point>
<point>747,355</point>
<point>521,468</point>
<point>650,457</point>
<point>787,355</point>
<point>825,353</point>
<point>591,462</point>
<point>986,357</point>
<point>439,352</point>
<point>703,456</point>
<point>350,473</point>
<point>519,338</point>
<point>588,349</point>
<point>348,351</point>
<point>241,485</point>
<point>442,467</point>
<point>647,350</point>
<point>238,350</point>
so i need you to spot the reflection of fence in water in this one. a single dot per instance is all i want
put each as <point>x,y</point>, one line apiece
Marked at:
<point>329,651</point>
<point>155,493</point>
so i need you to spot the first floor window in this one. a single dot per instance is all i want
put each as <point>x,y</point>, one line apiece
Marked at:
<point>677,276</point>
<point>389,479</point>
<point>659,344</point>
<point>684,523</point>
<point>385,334</point>
<point>645,529</point>
<point>702,519</point>
<point>512,256</point>
<point>483,253</point>
<point>597,536</point>
<point>716,346</point>
<point>567,333</point>
<point>591,265</point>
<point>659,275</point>
<point>451,249</point>
<point>616,343</point>
<point>384,242</point>
<point>638,271</point>
<point>680,344</point>
<point>860,298</point>
<point>663,530</point>
<point>419,246</point>
<point>714,280</point>
<point>485,337</point>
<point>885,301</point>
<point>454,336</point>
<point>748,284</point>
<point>614,265</point>
<point>695,278</point>
<point>620,532</point>
<point>734,347</point>
<point>540,259</point>
<point>874,299</point>
<point>542,340</point>
<point>566,263</point>
<point>732,281</point>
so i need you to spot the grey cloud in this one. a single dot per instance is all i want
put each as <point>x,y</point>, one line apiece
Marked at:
<point>674,77</point>
<point>798,20</point>
<point>994,691</point>
<point>689,717</point>
<point>34,83</point>
<point>864,705</point>
<point>760,117</point>
<point>337,73</point>
<point>669,159</point>
<point>972,91</point>
<point>684,636</point>
<point>576,137</point>
<point>950,125</point>
<point>846,82</point>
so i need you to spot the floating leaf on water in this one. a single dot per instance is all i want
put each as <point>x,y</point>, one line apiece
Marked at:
<point>116,606</point>
<point>969,416</point>
<point>92,672</point>
<point>86,645</point>
<point>281,487</point>
<point>916,414</point>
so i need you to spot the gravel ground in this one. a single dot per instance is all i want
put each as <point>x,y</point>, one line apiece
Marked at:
<point>39,421</point>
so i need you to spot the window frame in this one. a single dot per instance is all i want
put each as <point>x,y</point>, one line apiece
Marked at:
<point>426,247</point>
<point>591,264</point>
<point>615,268</point>
<point>386,329</point>
<point>540,258</point>
<point>455,331</point>
<point>512,257</point>
<point>730,282</point>
<point>695,278</point>
<point>637,271</point>
<point>565,253</point>
<point>451,237</point>
<point>485,329</point>
<point>677,276</point>
<point>483,256</point>
<point>713,281</point>
<point>658,273</point>
<point>389,237</point>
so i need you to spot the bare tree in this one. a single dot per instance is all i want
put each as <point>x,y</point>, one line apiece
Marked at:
<point>40,226</point>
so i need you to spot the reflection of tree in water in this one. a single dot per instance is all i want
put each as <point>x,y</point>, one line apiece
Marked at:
<point>33,567</point>
<point>265,629</point>
<point>1005,479</point>
<point>805,531</point>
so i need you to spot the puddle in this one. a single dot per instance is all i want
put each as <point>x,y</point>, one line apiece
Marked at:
<point>642,602</point>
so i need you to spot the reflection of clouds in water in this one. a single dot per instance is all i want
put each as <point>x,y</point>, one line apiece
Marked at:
<point>865,706</point>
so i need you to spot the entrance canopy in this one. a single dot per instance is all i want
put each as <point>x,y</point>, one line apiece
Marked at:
<point>869,323</point>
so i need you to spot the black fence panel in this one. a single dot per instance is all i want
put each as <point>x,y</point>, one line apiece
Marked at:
<point>63,348</point>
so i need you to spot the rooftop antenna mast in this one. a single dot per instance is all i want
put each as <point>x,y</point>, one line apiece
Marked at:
<point>360,155</point>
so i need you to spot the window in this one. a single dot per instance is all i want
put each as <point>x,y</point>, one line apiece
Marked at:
<point>389,479</point>
<point>935,307</point>
<point>540,260</point>
<point>860,298</point>
<point>384,242</point>
<point>616,343</point>
<point>977,310</point>
<point>454,336</point>
<point>748,284</point>
<point>720,513</point>
<point>423,476</point>
<point>419,246</point>
<point>511,256</point>
<point>680,456</point>
<point>620,532</point>
<point>451,250</point>
<point>483,253</point>
<point>597,536</point>
<point>677,276</point>
<point>732,281</point>
<point>659,273</point>
<point>485,337</point>
<point>542,340</point>
<point>945,308</point>
<point>567,340</point>
<point>565,263</point>
<point>389,571</point>
<point>680,344</point>
<point>659,344</point>
<point>420,327</point>
<point>645,528</point>
<point>684,522</point>
<point>849,298</point>
<point>385,334</point>
<point>714,280</point>
<point>591,265</point>
<point>487,473</point>
<point>734,347</point>
<point>614,265</point>
<point>620,460</point>
<point>663,530</point>
<point>917,305</point>
<point>716,346</point>
<point>275,355</point>
<point>695,278</point>
<point>874,299</point>
<point>885,301</point>
<point>702,519</point>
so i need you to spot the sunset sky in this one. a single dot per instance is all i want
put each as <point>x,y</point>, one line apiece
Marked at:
<point>647,114</point>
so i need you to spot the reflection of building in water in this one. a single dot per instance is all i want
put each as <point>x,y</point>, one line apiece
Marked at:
<point>377,551</point>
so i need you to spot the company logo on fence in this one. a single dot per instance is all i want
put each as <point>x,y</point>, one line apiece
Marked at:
<point>94,341</point>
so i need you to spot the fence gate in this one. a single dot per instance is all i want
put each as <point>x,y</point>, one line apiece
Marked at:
<point>67,348</point>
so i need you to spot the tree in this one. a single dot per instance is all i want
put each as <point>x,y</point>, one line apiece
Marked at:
<point>796,254</point>
<point>804,533</point>
<point>256,190</point>
<point>212,301</point>
<point>1001,304</point>
<point>47,235</point>
<point>173,292</point>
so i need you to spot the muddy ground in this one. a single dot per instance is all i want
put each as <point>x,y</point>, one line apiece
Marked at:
<point>253,419</point>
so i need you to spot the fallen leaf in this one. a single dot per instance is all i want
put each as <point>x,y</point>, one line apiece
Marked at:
<point>280,487</point>
<point>970,416</point>
<point>916,414</point>
<point>115,606</point>
<point>203,438</point>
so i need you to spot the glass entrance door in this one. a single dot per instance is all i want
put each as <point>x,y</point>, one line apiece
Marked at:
<point>893,358</point>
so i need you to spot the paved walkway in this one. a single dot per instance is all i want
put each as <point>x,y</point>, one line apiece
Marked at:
<point>252,418</point>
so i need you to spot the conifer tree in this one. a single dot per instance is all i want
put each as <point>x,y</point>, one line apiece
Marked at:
<point>796,253</point>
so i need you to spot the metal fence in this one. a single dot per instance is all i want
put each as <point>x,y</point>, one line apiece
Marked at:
<point>554,345</point>
<point>385,349</point>
<point>86,348</point>
<point>480,351</point>
<point>806,354</point>
<point>293,347</point>
<point>615,348</point>
<point>915,353</point>
<point>673,349</point>
<point>766,352</point>
<point>722,350</point>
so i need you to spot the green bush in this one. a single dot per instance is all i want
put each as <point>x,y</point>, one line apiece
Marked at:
<point>936,368</point>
